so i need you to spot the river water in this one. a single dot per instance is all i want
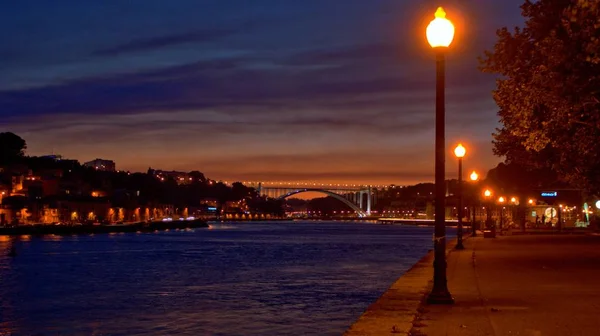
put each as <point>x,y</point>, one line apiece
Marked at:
<point>292,278</point>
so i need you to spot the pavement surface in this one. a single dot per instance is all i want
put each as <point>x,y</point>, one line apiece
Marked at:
<point>519,285</point>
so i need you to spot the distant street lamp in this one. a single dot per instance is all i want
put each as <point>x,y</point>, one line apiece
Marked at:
<point>460,152</point>
<point>474,177</point>
<point>501,200</point>
<point>514,211</point>
<point>488,209</point>
<point>440,33</point>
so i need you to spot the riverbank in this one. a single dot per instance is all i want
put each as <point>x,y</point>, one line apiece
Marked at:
<point>510,285</point>
<point>36,230</point>
<point>396,310</point>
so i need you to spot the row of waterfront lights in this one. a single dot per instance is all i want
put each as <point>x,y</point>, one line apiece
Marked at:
<point>487,193</point>
<point>282,183</point>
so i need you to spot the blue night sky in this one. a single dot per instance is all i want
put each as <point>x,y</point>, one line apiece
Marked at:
<point>314,90</point>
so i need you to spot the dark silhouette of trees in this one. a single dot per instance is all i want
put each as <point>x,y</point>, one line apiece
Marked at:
<point>122,189</point>
<point>548,90</point>
<point>12,148</point>
<point>517,179</point>
<point>327,205</point>
<point>197,176</point>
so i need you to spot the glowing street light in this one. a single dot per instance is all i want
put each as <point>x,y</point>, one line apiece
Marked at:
<point>460,152</point>
<point>474,177</point>
<point>488,210</point>
<point>440,33</point>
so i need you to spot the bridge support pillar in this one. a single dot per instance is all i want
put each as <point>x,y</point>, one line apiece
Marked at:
<point>369,201</point>
<point>360,199</point>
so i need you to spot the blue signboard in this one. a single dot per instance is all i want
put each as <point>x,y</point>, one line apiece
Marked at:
<point>549,194</point>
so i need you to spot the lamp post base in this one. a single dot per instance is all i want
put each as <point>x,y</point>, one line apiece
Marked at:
<point>459,245</point>
<point>440,297</point>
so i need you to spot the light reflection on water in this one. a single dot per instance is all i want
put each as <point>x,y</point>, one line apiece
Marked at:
<point>312,278</point>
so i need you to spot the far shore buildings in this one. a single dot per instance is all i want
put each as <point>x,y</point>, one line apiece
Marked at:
<point>177,176</point>
<point>101,164</point>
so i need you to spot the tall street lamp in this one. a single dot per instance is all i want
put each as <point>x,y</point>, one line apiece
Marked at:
<point>460,152</point>
<point>501,201</point>
<point>440,34</point>
<point>474,177</point>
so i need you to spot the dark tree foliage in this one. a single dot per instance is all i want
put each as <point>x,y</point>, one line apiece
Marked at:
<point>518,180</point>
<point>548,90</point>
<point>12,148</point>
<point>327,205</point>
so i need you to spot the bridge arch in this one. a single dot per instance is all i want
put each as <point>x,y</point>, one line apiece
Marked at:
<point>353,206</point>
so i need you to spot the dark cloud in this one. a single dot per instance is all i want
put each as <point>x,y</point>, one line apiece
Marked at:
<point>345,54</point>
<point>230,82</point>
<point>164,41</point>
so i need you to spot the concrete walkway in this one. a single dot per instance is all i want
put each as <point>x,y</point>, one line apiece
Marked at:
<point>520,285</point>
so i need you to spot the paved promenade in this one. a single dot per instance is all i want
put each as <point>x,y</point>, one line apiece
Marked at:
<point>521,285</point>
<point>511,285</point>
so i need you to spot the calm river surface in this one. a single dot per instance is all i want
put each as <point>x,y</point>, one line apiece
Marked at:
<point>300,278</point>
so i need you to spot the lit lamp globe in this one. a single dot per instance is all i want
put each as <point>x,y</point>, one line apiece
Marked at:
<point>501,199</point>
<point>474,176</point>
<point>597,204</point>
<point>440,31</point>
<point>487,193</point>
<point>460,151</point>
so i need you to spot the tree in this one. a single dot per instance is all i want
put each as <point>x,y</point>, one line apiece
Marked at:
<point>520,180</point>
<point>548,92</point>
<point>197,176</point>
<point>12,148</point>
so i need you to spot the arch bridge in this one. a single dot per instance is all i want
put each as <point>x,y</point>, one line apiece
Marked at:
<point>359,198</point>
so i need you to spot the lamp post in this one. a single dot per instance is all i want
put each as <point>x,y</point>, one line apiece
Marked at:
<point>488,211</point>
<point>440,33</point>
<point>514,212</point>
<point>460,152</point>
<point>474,177</point>
<point>501,201</point>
